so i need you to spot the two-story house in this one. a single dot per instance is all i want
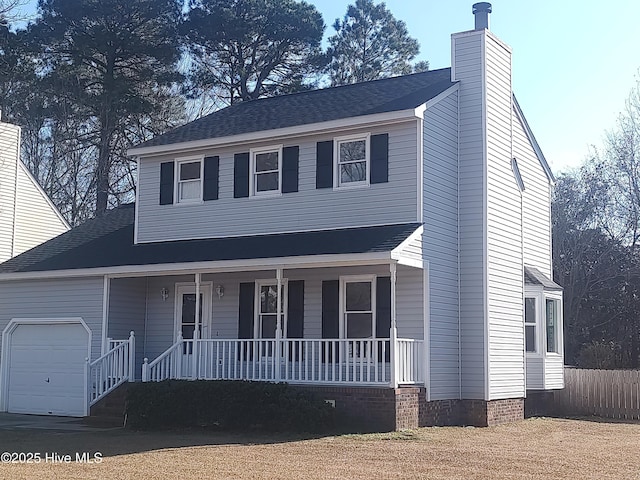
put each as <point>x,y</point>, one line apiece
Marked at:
<point>27,216</point>
<point>385,245</point>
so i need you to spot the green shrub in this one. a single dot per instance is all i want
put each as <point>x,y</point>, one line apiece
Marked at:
<point>227,405</point>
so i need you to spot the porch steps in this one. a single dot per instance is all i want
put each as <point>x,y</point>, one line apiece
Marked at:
<point>109,411</point>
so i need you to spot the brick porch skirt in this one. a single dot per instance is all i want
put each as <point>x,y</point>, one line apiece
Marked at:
<point>388,409</point>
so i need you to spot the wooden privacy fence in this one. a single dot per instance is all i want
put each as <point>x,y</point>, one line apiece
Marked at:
<point>606,393</point>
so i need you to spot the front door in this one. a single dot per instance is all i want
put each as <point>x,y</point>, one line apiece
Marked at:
<point>186,312</point>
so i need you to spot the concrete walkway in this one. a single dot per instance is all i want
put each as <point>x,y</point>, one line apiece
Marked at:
<point>14,421</point>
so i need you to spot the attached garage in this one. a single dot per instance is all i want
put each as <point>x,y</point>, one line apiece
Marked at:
<point>43,366</point>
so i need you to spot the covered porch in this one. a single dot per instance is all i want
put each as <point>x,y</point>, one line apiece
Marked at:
<point>341,320</point>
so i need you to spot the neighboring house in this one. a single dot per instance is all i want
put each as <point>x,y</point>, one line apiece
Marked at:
<point>27,216</point>
<point>386,245</point>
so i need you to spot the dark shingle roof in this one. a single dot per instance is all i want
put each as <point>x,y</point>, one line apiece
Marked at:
<point>108,242</point>
<point>533,276</point>
<point>366,98</point>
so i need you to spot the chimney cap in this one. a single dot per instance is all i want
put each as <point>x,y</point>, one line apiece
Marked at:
<point>481,13</point>
<point>481,7</point>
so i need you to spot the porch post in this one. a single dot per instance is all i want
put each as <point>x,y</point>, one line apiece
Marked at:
<point>278,322</point>
<point>132,356</point>
<point>196,331</point>
<point>393,334</point>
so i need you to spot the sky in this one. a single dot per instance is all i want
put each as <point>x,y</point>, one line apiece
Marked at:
<point>574,62</point>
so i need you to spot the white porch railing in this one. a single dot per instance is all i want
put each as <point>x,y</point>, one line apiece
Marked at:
<point>410,361</point>
<point>297,361</point>
<point>112,369</point>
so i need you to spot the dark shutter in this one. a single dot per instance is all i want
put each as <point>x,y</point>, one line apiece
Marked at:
<point>330,314</point>
<point>211,171</point>
<point>380,158</point>
<point>166,183</point>
<point>383,311</point>
<point>241,175</point>
<point>245,316</point>
<point>295,314</point>
<point>324,164</point>
<point>290,162</point>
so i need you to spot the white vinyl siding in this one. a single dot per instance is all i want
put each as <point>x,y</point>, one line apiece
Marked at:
<point>36,219</point>
<point>9,137</point>
<point>307,209</point>
<point>127,309</point>
<point>27,218</point>
<point>467,48</point>
<point>536,203</point>
<point>55,298</point>
<point>504,233</point>
<point>440,244</point>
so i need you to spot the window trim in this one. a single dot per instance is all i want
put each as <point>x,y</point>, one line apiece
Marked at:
<point>176,183</point>
<point>342,302</point>
<point>559,340</point>
<point>257,331</point>
<point>336,160</point>
<point>252,171</point>
<point>541,296</point>
<point>535,325</point>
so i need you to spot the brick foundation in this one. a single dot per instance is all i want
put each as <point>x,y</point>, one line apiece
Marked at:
<point>375,409</point>
<point>386,409</point>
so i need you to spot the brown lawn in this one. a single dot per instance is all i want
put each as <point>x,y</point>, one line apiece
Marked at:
<point>535,448</point>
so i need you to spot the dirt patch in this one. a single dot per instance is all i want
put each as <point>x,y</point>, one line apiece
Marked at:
<point>534,448</point>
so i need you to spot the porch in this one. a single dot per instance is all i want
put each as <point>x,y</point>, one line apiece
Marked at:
<point>338,325</point>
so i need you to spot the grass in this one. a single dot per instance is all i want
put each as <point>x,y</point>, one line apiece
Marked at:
<point>532,449</point>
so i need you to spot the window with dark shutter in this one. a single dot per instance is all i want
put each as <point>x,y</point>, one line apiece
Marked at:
<point>295,315</point>
<point>245,316</point>
<point>324,164</point>
<point>166,183</point>
<point>241,175</point>
<point>330,315</point>
<point>211,174</point>
<point>380,158</point>
<point>290,161</point>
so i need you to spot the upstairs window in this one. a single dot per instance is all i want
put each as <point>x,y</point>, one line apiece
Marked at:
<point>189,181</point>
<point>352,161</point>
<point>266,171</point>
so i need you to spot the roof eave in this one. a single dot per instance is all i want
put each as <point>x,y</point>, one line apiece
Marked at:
<point>341,124</point>
<point>218,266</point>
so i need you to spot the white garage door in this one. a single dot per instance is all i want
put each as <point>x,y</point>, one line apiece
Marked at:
<point>46,369</point>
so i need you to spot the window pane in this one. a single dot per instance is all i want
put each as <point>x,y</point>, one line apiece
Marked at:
<point>359,325</point>
<point>265,182</point>
<point>552,326</point>
<point>530,337</point>
<point>350,151</point>
<point>187,331</point>
<point>530,310</point>
<point>268,299</point>
<point>190,171</point>
<point>358,296</point>
<point>190,190</point>
<point>353,172</point>
<point>189,308</point>
<point>268,326</point>
<point>266,161</point>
